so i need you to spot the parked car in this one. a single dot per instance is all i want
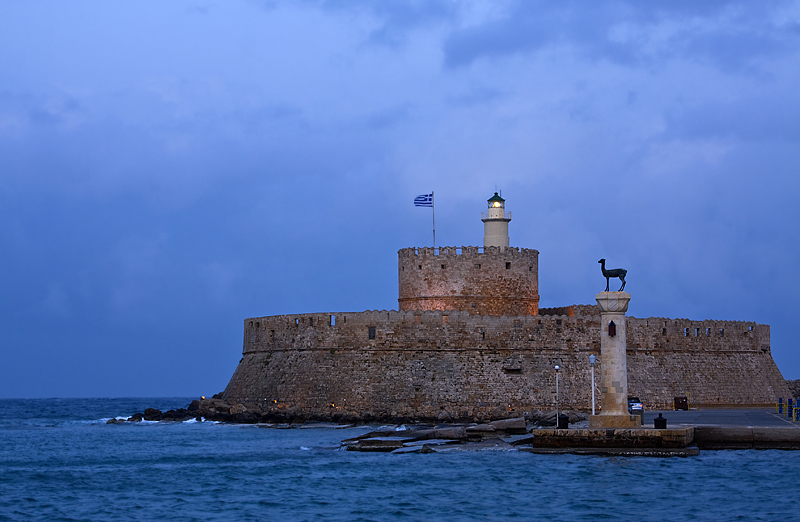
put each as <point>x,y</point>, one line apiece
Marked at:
<point>635,406</point>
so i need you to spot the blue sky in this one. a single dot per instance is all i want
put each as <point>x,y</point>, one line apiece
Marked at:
<point>168,169</point>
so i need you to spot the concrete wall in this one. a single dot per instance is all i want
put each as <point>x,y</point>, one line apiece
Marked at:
<point>420,363</point>
<point>482,281</point>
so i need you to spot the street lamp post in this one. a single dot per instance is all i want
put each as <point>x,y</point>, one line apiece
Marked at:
<point>591,362</point>
<point>557,395</point>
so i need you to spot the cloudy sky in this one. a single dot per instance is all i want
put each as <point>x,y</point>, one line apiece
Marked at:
<point>168,169</point>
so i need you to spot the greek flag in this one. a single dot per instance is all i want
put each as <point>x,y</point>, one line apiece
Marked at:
<point>425,200</point>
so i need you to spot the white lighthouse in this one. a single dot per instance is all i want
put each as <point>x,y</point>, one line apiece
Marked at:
<point>495,223</point>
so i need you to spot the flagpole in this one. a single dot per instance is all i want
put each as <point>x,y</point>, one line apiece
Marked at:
<point>433,212</point>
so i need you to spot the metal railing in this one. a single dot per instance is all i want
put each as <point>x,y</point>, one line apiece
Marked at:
<point>506,215</point>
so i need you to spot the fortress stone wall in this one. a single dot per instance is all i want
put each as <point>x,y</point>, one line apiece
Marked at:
<point>470,342</point>
<point>478,280</point>
<point>422,363</point>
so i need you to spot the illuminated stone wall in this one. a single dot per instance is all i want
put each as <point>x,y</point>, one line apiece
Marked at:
<point>481,281</point>
<point>422,363</point>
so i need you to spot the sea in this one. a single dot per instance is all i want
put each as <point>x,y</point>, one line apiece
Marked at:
<point>60,461</point>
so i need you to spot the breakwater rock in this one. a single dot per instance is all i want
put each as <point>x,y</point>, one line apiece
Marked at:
<point>256,412</point>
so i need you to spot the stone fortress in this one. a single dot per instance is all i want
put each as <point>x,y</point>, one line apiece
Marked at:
<point>470,342</point>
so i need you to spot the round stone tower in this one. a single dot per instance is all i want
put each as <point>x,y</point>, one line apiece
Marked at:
<point>491,280</point>
<point>495,223</point>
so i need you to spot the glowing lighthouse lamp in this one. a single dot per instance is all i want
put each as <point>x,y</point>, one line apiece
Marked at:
<point>495,223</point>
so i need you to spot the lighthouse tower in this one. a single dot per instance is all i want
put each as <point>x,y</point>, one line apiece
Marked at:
<point>495,223</point>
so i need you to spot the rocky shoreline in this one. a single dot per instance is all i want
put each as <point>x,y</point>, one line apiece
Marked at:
<point>220,410</point>
<point>265,412</point>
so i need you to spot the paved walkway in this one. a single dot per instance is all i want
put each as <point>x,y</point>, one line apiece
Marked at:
<point>734,417</point>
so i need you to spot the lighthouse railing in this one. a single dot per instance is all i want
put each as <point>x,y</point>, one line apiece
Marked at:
<point>506,215</point>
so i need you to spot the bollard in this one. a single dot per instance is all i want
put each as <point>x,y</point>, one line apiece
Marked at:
<point>660,423</point>
<point>780,405</point>
<point>789,407</point>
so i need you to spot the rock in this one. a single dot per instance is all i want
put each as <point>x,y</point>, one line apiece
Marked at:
<point>547,419</point>
<point>459,433</point>
<point>136,417</point>
<point>575,416</point>
<point>116,421</point>
<point>246,417</point>
<point>481,428</point>
<point>375,445</point>
<point>194,406</point>
<point>176,415</point>
<point>515,426</point>
<point>533,416</point>
<point>152,414</point>
<point>444,416</point>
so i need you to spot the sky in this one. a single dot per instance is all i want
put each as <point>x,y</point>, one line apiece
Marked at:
<point>168,169</point>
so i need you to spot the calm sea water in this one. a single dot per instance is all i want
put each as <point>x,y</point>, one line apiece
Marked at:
<point>60,461</point>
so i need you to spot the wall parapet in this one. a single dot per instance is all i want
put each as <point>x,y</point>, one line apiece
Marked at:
<point>420,362</point>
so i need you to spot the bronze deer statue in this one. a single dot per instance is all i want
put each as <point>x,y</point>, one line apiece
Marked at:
<point>614,272</point>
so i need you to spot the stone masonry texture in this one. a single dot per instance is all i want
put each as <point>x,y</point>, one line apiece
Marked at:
<point>468,342</point>
<point>420,363</point>
<point>481,281</point>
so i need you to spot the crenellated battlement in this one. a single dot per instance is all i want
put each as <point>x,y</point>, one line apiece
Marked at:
<point>444,329</point>
<point>465,251</point>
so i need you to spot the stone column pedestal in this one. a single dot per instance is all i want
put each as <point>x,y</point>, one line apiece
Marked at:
<point>614,364</point>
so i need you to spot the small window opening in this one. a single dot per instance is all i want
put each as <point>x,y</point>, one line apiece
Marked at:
<point>477,265</point>
<point>420,267</point>
<point>258,324</point>
<point>686,332</point>
<point>333,320</point>
<point>272,334</point>
<point>530,269</point>
<point>513,371</point>
<point>310,321</point>
<point>251,324</point>
<point>663,331</point>
<point>508,265</point>
<point>442,267</point>
<point>751,328</point>
<point>722,332</point>
<point>708,332</point>
<point>371,332</point>
<point>697,332</point>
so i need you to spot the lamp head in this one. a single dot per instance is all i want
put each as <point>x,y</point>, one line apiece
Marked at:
<point>592,358</point>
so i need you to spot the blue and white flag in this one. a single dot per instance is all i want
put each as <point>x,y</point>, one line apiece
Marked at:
<point>425,200</point>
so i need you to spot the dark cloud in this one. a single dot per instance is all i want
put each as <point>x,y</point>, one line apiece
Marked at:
<point>396,17</point>
<point>728,33</point>
<point>759,119</point>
